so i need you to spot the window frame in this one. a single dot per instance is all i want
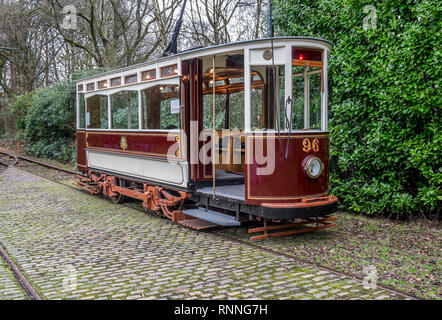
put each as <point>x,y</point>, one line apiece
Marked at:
<point>307,93</point>
<point>85,111</point>
<point>111,117</point>
<point>141,106</point>
<point>287,61</point>
<point>78,98</point>
<point>139,87</point>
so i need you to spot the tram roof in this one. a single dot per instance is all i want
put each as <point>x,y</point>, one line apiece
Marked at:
<point>190,52</point>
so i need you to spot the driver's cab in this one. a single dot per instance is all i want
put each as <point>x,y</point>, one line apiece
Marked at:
<point>270,111</point>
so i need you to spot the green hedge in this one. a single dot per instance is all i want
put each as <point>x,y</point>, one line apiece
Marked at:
<point>46,119</point>
<point>385,112</point>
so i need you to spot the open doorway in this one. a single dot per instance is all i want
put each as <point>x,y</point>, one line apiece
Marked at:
<point>229,115</point>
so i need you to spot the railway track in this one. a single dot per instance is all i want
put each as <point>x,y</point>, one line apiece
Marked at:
<point>22,280</point>
<point>7,161</point>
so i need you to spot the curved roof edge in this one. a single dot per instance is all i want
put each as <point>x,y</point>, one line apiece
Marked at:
<point>328,43</point>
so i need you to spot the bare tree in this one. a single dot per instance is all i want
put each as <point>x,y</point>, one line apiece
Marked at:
<point>251,20</point>
<point>114,32</point>
<point>211,22</point>
<point>110,33</point>
<point>22,69</point>
<point>208,21</point>
<point>165,14</point>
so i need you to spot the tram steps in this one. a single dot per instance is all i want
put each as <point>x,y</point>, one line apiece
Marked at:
<point>198,224</point>
<point>212,216</point>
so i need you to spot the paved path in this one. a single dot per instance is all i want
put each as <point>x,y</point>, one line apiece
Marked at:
<point>71,245</point>
<point>9,287</point>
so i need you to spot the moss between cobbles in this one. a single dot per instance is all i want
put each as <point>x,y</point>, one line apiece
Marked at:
<point>9,287</point>
<point>378,251</point>
<point>110,245</point>
<point>359,241</point>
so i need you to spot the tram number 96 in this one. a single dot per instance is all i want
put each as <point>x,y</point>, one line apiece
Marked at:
<point>309,145</point>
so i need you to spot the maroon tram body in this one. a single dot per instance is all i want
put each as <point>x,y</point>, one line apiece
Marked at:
<point>148,135</point>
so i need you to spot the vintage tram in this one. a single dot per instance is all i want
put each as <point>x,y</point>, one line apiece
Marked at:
<point>214,136</point>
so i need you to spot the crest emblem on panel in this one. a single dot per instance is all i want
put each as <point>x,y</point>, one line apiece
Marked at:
<point>123,143</point>
<point>267,54</point>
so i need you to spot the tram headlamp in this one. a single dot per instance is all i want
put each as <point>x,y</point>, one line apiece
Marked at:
<point>313,167</point>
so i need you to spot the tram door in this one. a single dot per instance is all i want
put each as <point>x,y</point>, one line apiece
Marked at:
<point>229,116</point>
<point>192,86</point>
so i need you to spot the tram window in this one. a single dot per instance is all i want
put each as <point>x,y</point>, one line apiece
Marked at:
<point>81,111</point>
<point>315,101</point>
<point>97,112</point>
<point>257,109</point>
<point>263,108</point>
<point>306,95</point>
<point>161,107</point>
<point>229,102</point>
<point>124,110</point>
<point>298,98</point>
<point>234,102</point>
<point>220,110</point>
<point>236,115</point>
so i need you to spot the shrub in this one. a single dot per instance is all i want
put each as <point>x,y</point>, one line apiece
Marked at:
<point>49,129</point>
<point>20,107</point>
<point>385,116</point>
<point>46,118</point>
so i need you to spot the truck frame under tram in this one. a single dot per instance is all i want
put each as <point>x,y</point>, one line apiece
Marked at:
<point>214,136</point>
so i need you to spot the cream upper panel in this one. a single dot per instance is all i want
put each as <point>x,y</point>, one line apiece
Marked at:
<point>256,50</point>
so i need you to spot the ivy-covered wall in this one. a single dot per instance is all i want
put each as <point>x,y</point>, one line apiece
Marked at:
<point>385,113</point>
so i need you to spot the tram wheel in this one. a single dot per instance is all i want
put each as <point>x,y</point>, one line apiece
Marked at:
<point>117,199</point>
<point>120,198</point>
<point>158,214</point>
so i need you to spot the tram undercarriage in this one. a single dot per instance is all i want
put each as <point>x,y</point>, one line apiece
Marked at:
<point>199,210</point>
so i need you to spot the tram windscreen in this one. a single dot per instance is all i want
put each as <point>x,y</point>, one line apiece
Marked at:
<point>264,104</point>
<point>306,97</point>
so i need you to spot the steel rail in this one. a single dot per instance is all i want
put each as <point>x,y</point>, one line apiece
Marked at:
<point>45,164</point>
<point>19,276</point>
<point>8,164</point>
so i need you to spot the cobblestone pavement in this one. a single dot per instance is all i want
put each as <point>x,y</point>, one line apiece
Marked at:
<point>71,245</point>
<point>9,287</point>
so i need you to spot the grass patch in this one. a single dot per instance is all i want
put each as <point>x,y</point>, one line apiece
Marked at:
<point>406,254</point>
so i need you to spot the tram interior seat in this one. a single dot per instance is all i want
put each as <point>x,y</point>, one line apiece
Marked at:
<point>231,152</point>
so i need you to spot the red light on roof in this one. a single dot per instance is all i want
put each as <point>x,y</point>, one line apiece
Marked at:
<point>301,57</point>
